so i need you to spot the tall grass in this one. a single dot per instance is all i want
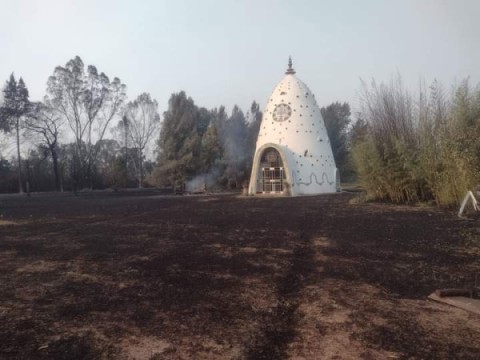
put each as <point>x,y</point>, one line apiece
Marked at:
<point>418,147</point>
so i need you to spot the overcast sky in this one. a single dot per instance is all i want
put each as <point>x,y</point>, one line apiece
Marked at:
<point>232,51</point>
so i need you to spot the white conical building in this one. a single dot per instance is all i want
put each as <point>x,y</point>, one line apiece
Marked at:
<point>293,155</point>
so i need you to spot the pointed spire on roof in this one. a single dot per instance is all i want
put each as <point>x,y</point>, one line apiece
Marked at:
<point>290,68</point>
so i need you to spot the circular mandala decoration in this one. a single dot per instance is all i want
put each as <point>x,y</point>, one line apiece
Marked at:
<point>282,112</point>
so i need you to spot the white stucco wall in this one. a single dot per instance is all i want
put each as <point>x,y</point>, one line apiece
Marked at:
<point>302,139</point>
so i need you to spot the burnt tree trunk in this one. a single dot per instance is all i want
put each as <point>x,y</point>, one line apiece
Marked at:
<point>55,169</point>
<point>19,159</point>
<point>140,164</point>
<point>27,163</point>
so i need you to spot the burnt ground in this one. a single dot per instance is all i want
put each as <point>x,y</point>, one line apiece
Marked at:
<point>145,276</point>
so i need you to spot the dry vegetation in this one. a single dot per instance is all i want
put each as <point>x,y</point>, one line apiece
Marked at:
<point>107,275</point>
<point>423,147</point>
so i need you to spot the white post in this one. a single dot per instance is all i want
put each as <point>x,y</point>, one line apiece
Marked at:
<point>468,196</point>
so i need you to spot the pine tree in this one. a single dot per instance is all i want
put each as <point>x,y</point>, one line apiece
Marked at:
<point>254,117</point>
<point>212,149</point>
<point>179,145</point>
<point>235,135</point>
<point>337,119</point>
<point>15,106</point>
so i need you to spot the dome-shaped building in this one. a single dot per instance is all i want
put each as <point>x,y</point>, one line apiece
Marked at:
<point>293,154</point>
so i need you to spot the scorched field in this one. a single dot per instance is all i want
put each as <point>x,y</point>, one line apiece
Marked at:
<point>147,276</point>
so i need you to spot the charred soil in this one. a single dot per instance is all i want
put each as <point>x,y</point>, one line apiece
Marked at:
<point>148,276</point>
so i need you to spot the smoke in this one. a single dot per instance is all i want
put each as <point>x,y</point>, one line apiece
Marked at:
<point>202,182</point>
<point>235,135</point>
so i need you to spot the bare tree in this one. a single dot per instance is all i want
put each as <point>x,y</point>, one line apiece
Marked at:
<point>88,101</point>
<point>121,134</point>
<point>140,124</point>
<point>45,123</point>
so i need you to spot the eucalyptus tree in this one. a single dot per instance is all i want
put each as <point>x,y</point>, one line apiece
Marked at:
<point>140,124</point>
<point>15,106</point>
<point>88,101</point>
<point>45,123</point>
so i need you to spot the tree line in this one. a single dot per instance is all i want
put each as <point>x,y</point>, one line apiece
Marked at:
<point>85,134</point>
<point>66,133</point>
<point>403,147</point>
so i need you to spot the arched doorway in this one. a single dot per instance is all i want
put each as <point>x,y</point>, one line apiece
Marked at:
<point>273,174</point>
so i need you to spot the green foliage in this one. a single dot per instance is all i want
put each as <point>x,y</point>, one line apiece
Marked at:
<point>368,163</point>
<point>337,119</point>
<point>197,143</point>
<point>211,148</point>
<point>235,135</point>
<point>179,146</point>
<point>254,117</point>
<point>15,106</point>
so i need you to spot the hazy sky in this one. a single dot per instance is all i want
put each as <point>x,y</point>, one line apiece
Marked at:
<point>232,52</point>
